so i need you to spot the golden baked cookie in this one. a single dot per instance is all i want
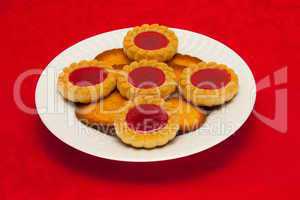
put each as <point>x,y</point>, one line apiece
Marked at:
<point>184,60</point>
<point>102,114</point>
<point>208,84</point>
<point>86,81</point>
<point>152,42</point>
<point>190,117</point>
<point>147,122</point>
<point>179,62</point>
<point>146,77</point>
<point>114,57</point>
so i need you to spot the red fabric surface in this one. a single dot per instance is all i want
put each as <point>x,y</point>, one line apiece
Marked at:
<point>257,162</point>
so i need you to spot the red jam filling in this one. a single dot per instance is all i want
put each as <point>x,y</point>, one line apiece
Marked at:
<point>146,117</point>
<point>88,76</point>
<point>210,78</point>
<point>146,77</point>
<point>151,40</point>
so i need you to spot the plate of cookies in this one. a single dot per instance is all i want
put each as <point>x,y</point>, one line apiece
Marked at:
<point>147,93</point>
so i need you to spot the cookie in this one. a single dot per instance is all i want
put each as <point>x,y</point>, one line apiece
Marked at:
<point>190,117</point>
<point>147,122</point>
<point>146,77</point>
<point>114,57</point>
<point>86,81</point>
<point>152,42</point>
<point>180,61</point>
<point>208,84</point>
<point>102,114</point>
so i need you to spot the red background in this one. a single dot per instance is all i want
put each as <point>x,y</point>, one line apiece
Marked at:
<point>256,162</point>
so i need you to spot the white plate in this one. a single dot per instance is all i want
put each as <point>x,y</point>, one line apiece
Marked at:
<point>58,115</point>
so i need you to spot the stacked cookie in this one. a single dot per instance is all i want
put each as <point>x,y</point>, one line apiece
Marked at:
<point>146,93</point>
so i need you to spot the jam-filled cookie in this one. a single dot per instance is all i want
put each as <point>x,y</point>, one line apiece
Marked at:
<point>179,62</point>
<point>102,114</point>
<point>150,42</point>
<point>147,122</point>
<point>208,84</point>
<point>86,81</point>
<point>146,77</point>
<point>190,117</point>
<point>114,57</point>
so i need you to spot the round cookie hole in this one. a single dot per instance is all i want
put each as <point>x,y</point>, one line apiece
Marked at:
<point>210,78</point>
<point>88,76</point>
<point>151,40</point>
<point>146,77</point>
<point>146,117</point>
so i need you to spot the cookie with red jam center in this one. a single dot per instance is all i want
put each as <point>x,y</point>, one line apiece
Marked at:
<point>150,42</point>
<point>208,84</point>
<point>146,77</point>
<point>86,81</point>
<point>147,122</point>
